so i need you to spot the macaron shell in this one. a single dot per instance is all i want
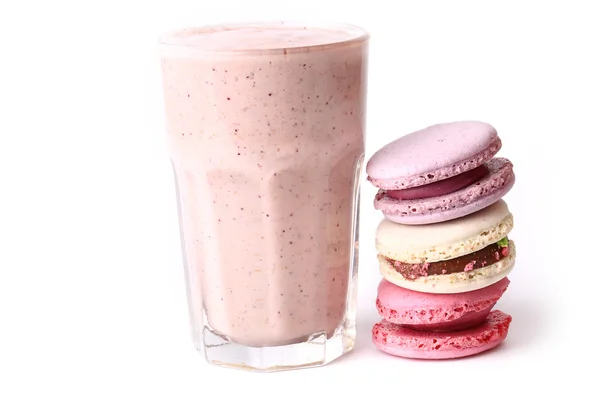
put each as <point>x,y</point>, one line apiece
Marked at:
<point>452,283</point>
<point>436,311</point>
<point>432,154</point>
<point>409,343</point>
<point>454,205</point>
<point>436,242</point>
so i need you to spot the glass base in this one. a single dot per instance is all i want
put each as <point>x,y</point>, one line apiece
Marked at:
<point>316,351</point>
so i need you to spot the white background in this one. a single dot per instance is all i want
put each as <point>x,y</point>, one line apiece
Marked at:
<point>92,300</point>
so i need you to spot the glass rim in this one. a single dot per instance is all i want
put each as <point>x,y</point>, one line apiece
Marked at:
<point>170,45</point>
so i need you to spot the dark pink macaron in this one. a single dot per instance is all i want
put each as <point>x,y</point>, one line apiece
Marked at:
<point>410,343</point>
<point>439,173</point>
<point>437,311</point>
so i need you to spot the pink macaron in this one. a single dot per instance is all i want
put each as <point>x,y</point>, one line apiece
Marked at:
<point>437,312</point>
<point>439,173</point>
<point>410,343</point>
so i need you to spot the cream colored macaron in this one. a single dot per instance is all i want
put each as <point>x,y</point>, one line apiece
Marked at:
<point>455,256</point>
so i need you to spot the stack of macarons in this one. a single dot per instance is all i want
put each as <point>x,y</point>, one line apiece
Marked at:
<point>443,245</point>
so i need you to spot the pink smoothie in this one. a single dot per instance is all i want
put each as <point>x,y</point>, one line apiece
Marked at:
<point>266,136</point>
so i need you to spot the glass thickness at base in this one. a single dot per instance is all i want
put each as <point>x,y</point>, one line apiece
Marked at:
<point>317,350</point>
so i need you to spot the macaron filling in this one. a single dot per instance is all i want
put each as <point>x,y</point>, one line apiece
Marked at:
<point>440,188</point>
<point>471,198</point>
<point>469,262</point>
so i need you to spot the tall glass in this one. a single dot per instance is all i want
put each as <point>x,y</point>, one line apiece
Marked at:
<point>266,136</point>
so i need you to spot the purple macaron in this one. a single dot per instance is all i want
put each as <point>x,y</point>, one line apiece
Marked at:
<point>439,173</point>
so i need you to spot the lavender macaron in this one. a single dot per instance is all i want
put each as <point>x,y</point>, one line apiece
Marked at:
<point>440,173</point>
